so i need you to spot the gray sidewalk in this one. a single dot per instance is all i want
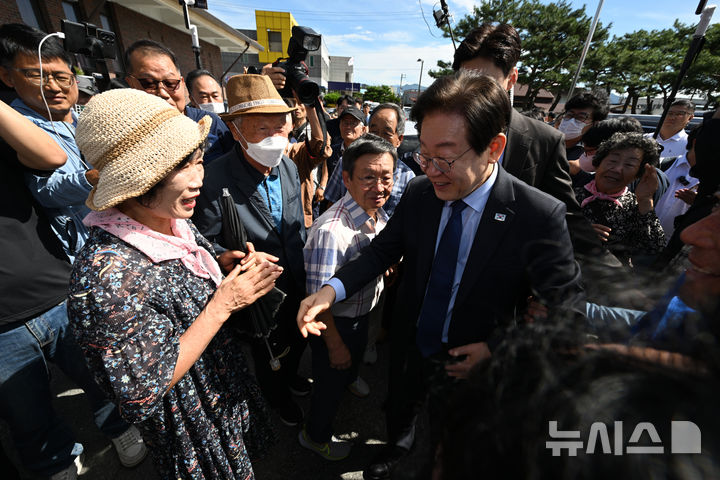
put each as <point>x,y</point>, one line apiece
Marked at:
<point>360,420</point>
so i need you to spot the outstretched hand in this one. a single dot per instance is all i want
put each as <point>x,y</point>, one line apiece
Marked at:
<point>311,307</point>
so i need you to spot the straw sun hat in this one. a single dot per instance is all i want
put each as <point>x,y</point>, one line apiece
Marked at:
<point>253,94</point>
<point>135,140</point>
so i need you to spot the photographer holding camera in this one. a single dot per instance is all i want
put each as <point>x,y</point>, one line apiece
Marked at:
<point>310,155</point>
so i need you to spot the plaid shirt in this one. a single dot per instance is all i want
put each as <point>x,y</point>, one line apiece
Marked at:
<point>335,188</point>
<point>336,238</point>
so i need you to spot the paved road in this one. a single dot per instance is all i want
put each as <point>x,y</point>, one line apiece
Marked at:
<point>359,419</point>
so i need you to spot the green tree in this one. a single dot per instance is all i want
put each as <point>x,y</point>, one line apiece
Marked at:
<point>331,98</point>
<point>380,94</point>
<point>552,38</point>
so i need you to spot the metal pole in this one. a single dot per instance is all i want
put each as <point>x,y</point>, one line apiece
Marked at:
<point>585,48</point>
<point>696,45</point>
<point>422,63</point>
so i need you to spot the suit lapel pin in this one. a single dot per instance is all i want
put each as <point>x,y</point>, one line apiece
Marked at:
<point>500,217</point>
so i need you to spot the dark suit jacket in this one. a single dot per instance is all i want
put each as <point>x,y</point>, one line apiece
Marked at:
<point>232,171</point>
<point>535,153</point>
<point>530,249</point>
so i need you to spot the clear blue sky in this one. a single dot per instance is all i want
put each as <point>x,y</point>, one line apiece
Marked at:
<point>386,38</point>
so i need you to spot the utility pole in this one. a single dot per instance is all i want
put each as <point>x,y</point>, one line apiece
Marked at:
<point>422,63</point>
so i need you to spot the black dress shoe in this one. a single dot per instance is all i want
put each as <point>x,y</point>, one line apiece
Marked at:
<point>383,465</point>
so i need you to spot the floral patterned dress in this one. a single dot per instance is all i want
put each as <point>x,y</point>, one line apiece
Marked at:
<point>128,314</point>
<point>632,233</point>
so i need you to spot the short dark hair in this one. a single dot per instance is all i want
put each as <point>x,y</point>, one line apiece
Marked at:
<point>597,100</point>
<point>478,98</point>
<point>17,38</point>
<point>194,75</point>
<point>367,144</point>
<point>499,43</point>
<point>604,129</point>
<point>684,103</point>
<point>622,140</point>
<point>346,98</point>
<point>400,129</point>
<point>149,47</point>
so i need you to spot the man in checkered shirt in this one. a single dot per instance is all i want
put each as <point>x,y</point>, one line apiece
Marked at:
<point>336,238</point>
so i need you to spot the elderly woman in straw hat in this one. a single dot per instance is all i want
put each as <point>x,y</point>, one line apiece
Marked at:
<point>147,297</point>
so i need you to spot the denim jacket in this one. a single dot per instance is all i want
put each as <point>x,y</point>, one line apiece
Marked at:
<point>62,193</point>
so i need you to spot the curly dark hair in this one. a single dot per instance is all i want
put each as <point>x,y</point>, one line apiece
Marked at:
<point>622,140</point>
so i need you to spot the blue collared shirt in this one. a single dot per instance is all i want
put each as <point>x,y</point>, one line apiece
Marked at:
<point>270,190</point>
<point>336,238</point>
<point>335,188</point>
<point>63,193</point>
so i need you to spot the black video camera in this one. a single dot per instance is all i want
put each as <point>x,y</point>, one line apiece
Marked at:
<point>302,41</point>
<point>96,43</point>
<point>89,40</point>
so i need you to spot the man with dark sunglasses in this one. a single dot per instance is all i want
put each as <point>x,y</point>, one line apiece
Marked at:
<point>153,68</point>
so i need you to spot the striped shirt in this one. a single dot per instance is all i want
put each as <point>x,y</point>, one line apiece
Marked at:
<point>336,238</point>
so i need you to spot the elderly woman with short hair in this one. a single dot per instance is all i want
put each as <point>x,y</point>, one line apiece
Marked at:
<point>148,300</point>
<point>624,220</point>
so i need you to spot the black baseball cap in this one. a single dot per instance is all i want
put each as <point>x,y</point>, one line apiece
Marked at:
<point>355,112</point>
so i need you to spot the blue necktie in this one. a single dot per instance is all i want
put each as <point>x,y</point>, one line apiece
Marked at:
<point>439,290</point>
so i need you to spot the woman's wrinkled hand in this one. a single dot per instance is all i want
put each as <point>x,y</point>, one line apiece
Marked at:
<point>240,289</point>
<point>648,183</point>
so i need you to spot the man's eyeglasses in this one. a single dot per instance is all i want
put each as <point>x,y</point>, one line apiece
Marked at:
<point>63,79</point>
<point>677,113</point>
<point>150,85</point>
<point>582,116</point>
<point>370,181</point>
<point>441,164</point>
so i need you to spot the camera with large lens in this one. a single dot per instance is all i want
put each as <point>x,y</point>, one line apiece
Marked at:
<point>302,41</point>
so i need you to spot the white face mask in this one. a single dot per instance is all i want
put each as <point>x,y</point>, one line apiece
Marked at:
<point>585,161</point>
<point>214,107</point>
<point>268,152</point>
<point>571,127</point>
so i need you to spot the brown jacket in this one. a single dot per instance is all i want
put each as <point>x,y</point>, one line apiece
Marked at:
<point>306,160</point>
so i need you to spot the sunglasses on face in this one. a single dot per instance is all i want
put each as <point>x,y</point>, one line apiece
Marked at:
<point>150,85</point>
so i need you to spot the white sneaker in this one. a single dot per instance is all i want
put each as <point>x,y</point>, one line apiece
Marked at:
<point>359,388</point>
<point>71,472</point>
<point>370,355</point>
<point>130,447</point>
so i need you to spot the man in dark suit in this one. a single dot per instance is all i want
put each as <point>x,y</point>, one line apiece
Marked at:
<point>535,152</point>
<point>265,186</point>
<point>475,241</point>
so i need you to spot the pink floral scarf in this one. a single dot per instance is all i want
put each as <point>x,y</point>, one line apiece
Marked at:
<point>157,246</point>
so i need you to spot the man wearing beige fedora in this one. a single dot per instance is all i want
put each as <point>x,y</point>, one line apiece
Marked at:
<point>265,186</point>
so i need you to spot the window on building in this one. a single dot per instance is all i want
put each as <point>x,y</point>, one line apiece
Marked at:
<point>70,10</point>
<point>347,77</point>
<point>30,13</point>
<point>312,60</point>
<point>274,41</point>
